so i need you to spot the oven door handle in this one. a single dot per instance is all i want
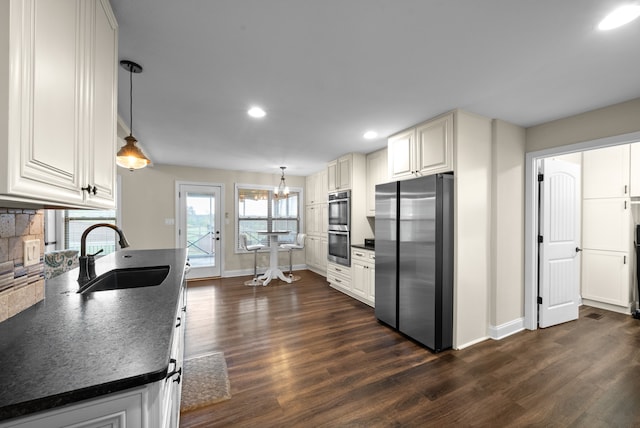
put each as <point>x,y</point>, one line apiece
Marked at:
<point>335,232</point>
<point>331,201</point>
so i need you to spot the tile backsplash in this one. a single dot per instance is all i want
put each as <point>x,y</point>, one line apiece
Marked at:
<point>20,287</point>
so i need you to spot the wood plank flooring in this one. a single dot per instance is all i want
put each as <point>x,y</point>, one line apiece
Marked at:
<point>306,355</point>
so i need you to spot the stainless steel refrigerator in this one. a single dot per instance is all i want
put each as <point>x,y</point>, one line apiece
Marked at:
<point>414,258</point>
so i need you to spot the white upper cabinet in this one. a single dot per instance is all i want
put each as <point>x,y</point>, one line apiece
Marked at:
<point>102,170</point>
<point>339,173</point>
<point>607,224</point>
<point>606,172</point>
<point>424,149</point>
<point>58,134</point>
<point>316,188</point>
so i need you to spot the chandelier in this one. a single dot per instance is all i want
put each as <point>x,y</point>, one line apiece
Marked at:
<point>282,191</point>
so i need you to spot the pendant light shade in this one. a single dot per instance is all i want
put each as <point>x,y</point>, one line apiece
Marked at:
<point>282,191</point>
<point>130,156</point>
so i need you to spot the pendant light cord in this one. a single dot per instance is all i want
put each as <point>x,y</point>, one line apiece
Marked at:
<point>130,101</point>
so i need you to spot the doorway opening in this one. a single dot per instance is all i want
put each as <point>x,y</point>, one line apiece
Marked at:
<point>532,215</point>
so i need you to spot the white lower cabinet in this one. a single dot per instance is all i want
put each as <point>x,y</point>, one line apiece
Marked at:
<point>606,276</point>
<point>339,277</point>
<point>122,410</point>
<point>316,252</point>
<point>363,267</point>
<point>357,281</point>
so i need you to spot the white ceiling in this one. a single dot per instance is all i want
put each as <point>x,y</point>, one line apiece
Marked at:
<point>328,70</point>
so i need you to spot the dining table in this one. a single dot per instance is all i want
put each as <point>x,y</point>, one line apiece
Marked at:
<point>274,270</point>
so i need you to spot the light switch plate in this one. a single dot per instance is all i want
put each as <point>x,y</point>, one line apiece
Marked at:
<point>31,252</point>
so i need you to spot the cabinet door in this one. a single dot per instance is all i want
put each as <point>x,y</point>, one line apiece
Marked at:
<point>332,176</point>
<point>344,173</point>
<point>371,290</point>
<point>102,168</point>
<point>311,219</point>
<point>434,146</point>
<point>311,253</point>
<point>360,278</point>
<point>605,276</point>
<point>322,187</point>
<point>310,189</point>
<point>607,224</point>
<point>324,218</point>
<point>401,152</point>
<point>322,254</point>
<point>606,172</point>
<point>47,155</point>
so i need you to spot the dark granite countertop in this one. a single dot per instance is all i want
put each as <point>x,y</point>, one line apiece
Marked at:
<point>363,247</point>
<point>70,347</point>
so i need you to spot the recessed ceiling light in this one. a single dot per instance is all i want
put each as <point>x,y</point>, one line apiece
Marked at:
<point>256,112</point>
<point>370,135</point>
<point>619,17</point>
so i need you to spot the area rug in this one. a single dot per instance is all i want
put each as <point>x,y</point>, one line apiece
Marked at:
<point>205,381</point>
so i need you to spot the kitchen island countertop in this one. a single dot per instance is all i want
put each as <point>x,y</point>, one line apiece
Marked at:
<point>71,347</point>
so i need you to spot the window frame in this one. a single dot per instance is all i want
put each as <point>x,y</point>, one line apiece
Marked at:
<point>59,220</point>
<point>270,219</point>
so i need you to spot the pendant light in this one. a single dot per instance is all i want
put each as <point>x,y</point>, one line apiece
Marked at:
<point>130,156</point>
<point>282,191</point>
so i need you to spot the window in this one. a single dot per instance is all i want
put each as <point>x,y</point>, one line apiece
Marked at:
<point>259,210</point>
<point>77,221</point>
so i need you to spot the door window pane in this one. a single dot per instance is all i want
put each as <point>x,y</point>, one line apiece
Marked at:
<point>201,233</point>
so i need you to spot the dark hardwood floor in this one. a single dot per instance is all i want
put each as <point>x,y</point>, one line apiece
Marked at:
<point>306,355</point>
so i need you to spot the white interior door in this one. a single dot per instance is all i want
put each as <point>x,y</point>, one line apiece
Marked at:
<point>199,228</point>
<point>559,286</point>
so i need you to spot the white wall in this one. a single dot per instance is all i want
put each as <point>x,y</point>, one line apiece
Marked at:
<point>148,198</point>
<point>472,231</point>
<point>507,253</point>
<point>618,119</point>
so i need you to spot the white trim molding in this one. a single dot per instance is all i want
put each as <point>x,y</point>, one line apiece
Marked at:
<point>507,329</point>
<point>531,214</point>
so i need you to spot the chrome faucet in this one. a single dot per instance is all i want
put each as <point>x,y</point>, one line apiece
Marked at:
<point>88,262</point>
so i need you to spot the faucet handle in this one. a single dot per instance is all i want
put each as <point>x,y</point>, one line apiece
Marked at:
<point>95,254</point>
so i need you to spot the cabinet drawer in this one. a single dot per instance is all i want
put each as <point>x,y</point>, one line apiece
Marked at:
<point>339,280</point>
<point>364,256</point>
<point>338,271</point>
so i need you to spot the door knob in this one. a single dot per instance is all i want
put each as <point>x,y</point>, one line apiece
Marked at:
<point>578,249</point>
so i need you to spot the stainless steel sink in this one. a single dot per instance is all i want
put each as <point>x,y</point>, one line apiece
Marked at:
<point>119,279</point>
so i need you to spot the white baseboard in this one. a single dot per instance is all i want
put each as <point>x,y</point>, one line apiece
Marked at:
<point>608,306</point>
<point>506,329</point>
<point>473,342</point>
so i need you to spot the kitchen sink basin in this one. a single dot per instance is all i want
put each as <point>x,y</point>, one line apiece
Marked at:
<point>119,279</point>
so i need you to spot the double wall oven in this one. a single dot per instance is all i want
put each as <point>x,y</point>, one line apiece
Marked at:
<point>340,227</point>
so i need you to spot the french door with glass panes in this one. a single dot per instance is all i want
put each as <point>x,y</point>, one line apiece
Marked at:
<point>199,229</point>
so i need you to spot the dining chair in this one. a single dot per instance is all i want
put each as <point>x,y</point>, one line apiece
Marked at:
<point>255,247</point>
